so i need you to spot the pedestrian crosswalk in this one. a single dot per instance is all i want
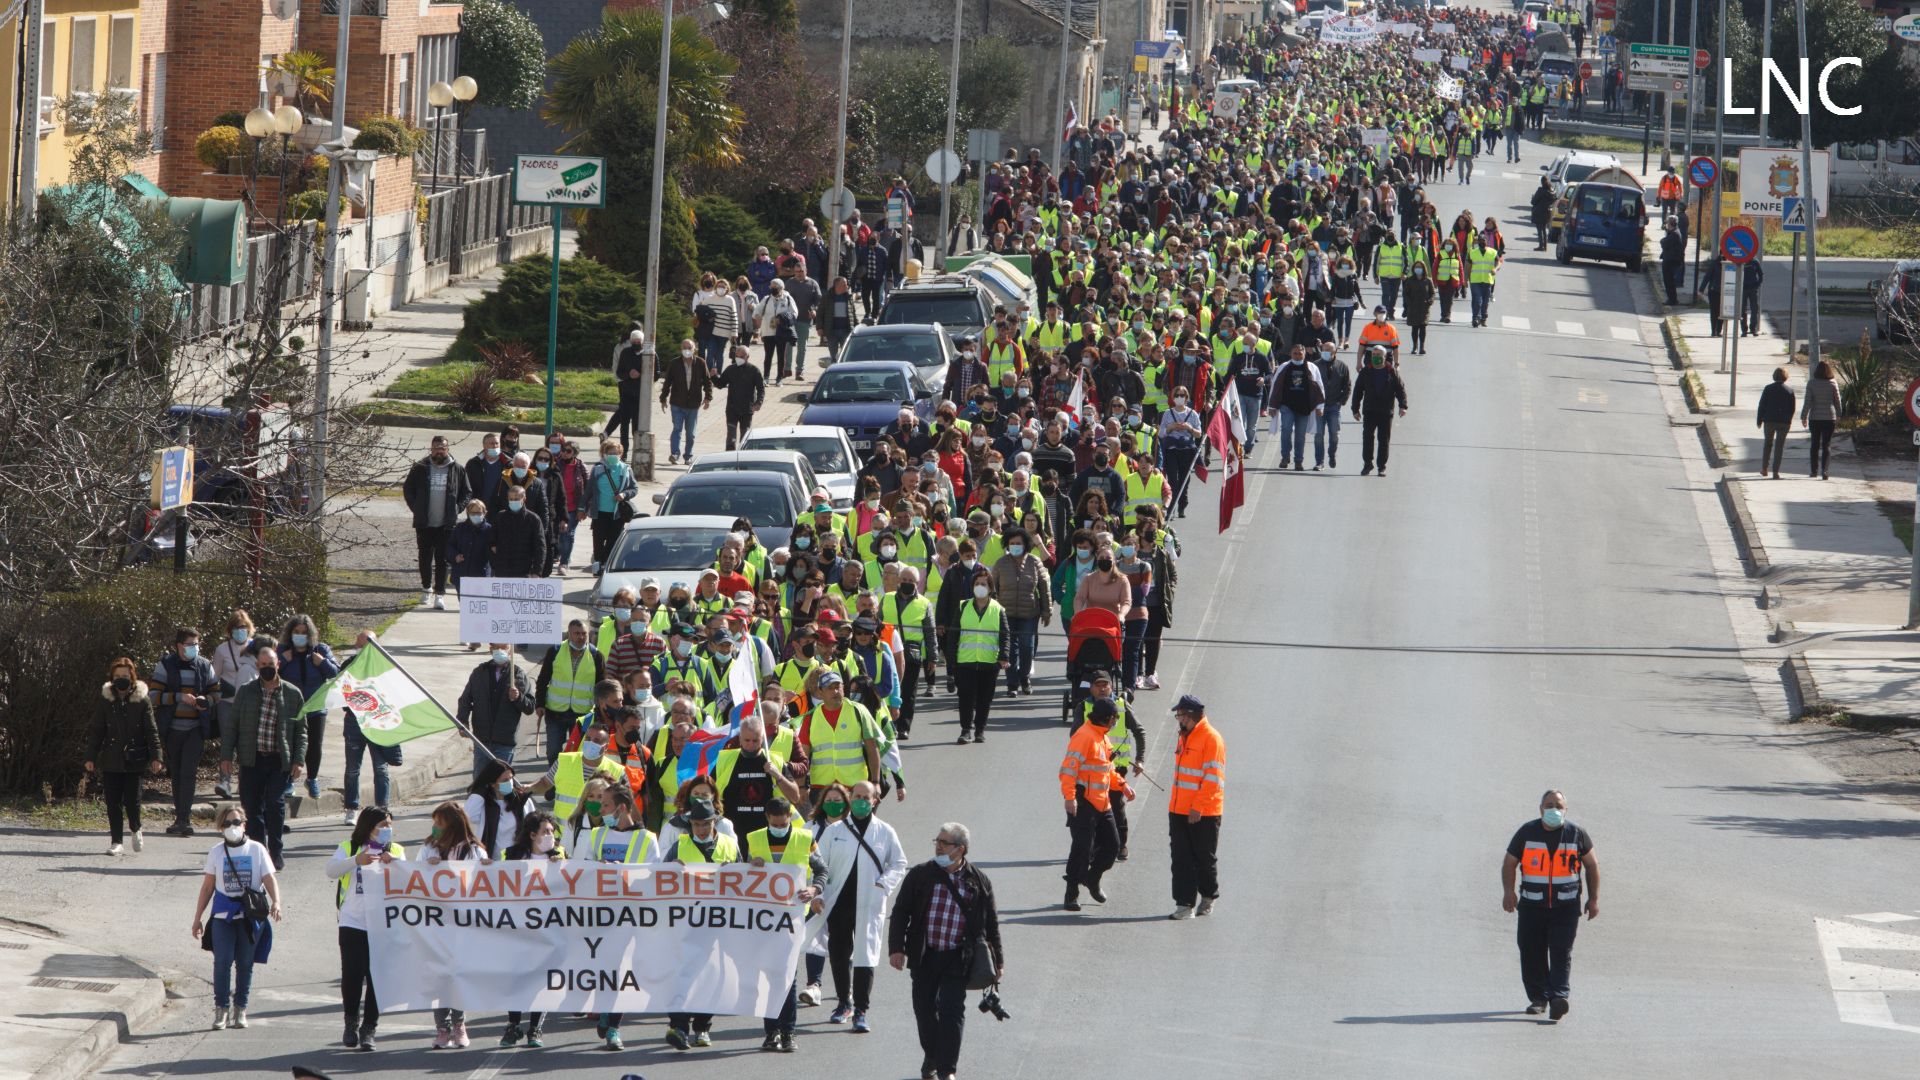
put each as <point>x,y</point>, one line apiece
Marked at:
<point>1570,328</point>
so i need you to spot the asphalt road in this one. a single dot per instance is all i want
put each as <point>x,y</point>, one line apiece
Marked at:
<point>1399,666</point>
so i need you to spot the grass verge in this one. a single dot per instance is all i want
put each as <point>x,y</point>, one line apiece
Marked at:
<point>1842,242</point>
<point>341,636</point>
<point>60,815</point>
<point>428,410</point>
<point>590,386</point>
<point>1599,144</point>
<point>1901,515</point>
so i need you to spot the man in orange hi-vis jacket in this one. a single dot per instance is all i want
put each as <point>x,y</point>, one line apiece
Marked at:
<point>1194,807</point>
<point>1088,781</point>
<point>1549,855</point>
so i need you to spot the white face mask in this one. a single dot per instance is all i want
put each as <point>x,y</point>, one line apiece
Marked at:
<point>686,352</point>
<point>980,592</point>
<point>234,833</point>
<point>543,843</point>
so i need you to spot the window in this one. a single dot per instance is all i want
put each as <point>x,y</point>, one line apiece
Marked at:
<point>403,86</point>
<point>1859,151</point>
<point>156,96</point>
<point>120,52</point>
<point>267,81</point>
<point>80,58</point>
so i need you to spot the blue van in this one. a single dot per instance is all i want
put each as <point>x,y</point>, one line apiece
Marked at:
<point>1604,221</point>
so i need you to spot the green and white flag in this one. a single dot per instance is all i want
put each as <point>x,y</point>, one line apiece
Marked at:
<point>387,703</point>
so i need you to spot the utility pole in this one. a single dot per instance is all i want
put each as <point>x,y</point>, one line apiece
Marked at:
<point>640,454</point>
<point>29,165</point>
<point>840,150</point>
<point>1060,118</point>
<point>1813,213</point>
<point>323,359</point>
<point>1693,73</point>
<point>945,244</point>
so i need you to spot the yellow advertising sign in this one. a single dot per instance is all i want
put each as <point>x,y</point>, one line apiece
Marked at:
<point>1139,63</point>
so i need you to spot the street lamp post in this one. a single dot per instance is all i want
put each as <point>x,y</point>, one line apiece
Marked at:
<point>840,147</point>
<point>439,95</point>
<point>1060,119</point>
<point>945,245</point>
<point>464,89</point>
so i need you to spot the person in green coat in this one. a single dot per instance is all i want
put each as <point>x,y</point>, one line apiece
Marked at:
<point>1066,577</point>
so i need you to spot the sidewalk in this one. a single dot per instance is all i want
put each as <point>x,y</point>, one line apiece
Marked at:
<point>74,1004</point>
<point>1833,573</point>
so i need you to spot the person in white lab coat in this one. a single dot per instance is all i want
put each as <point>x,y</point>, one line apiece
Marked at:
<point>865,864</point>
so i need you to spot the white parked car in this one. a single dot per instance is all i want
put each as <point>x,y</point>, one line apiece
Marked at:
<point>672,550</point>
<point>827,450</point>
<point>790,463</point>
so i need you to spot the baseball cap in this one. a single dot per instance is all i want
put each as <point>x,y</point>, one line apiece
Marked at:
<point>1099,677</point>
<point>1189,703</point>
<point>830,678</point>
<point>865,625</point>
<point>825,634</point>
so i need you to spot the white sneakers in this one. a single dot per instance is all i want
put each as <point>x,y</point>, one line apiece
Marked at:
<point>349,817</point>
<point>139,840</point>
<point>1181,912</point>
<point>239,1016</point>
<point>219,1018</point>
<point>113,849</point>
<point>426,597</point>
<point>810,994</point>
<point>1206,906</point>
<point>439,602</point>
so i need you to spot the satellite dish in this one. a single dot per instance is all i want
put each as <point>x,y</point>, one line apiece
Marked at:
<point>285,9</point>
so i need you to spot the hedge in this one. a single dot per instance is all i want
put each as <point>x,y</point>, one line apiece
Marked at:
<point>598,306</point>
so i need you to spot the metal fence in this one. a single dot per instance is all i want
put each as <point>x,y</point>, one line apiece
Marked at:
<point>214,309</point>
<point>475,220</point>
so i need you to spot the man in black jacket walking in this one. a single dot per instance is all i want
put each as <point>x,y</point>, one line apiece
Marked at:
<point>519,538</point>
<point>1673,259</point>
<point>1374,394</point>
<point>436,492</point>
<point>944,913</point>
<point>746,391</point>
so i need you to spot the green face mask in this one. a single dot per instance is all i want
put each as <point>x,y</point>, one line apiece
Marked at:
<point>592,807</point>
<point>834,807</point>
<point>863,808</point>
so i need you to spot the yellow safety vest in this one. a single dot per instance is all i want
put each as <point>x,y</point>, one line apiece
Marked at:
<point>979,634</point>
<point>1449,267</point>
<point>1000,360</point>
<point>571,688</point>
<point>1480,265</point>
<point>1141,493</point>
<point>569,783</point>
<point>340,891</point>
<point>839,750</point>
<point>908,623</point>
<point>1154,395</point>
<point>1051,335</point>
<point>799,846</point>
<point>725,850</point>
<point>633,851</point>
<point>1391,261</point>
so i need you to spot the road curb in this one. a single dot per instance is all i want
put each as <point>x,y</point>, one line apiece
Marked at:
<point>431,423</point>
<point>1745,535</point>
<point>91,1048</point>
<point>1802,693</point>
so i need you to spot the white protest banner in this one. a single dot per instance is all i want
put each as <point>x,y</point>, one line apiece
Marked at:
<point>1373,137</point>
<point>519,611</point>
<point>1427,56</point>
<point>1460,63</point>
<point>1448,87</point>
<point>1444,29</point>
<point>1349,30</point>
<point>581,937</point>
<point>1404,29</point>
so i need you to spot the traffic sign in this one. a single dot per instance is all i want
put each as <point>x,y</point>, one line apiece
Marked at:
<point>1768,176</point>
<point>983,144</point>
<point>1702,59</point>
<point>1586,69</point>
<point>1702,172</point>
<point>837,204</point>
<point>1739,244</point>
<point>1667,60</point>
<point>943,166</point>
<point>1913,403</point>
<point>1793,215</point>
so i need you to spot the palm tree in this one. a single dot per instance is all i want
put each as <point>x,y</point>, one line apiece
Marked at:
<point>621,60</point>
<point>310,74</point>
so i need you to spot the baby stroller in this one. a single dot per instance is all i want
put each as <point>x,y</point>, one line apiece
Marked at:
<point>1093,644</point>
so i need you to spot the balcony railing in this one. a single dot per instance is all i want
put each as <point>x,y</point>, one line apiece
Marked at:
<point>360,7</point>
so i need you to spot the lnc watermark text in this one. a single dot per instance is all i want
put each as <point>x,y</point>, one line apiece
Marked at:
<point>1797,96</point>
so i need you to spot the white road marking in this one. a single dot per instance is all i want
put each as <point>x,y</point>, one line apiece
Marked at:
<point>1625,333</point>
<point>1573,328</point>
<point>1513,176</point>
<point>1515,322</point>
<point>1860,989</point>
<point>1590,396</point>
<point>1884,917</point>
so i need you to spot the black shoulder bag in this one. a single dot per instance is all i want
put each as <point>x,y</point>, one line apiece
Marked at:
<point>980,973</point>
<point>253,902</point>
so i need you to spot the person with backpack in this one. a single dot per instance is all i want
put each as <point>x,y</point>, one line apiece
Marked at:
<point>183,688</point>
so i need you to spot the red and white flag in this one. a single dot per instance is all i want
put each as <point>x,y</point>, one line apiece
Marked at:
<point>1073,120</point>
<point>1077,400</point>
<point>1234,492</point>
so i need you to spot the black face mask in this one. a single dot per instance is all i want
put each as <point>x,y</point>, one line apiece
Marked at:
<point>1104,563</point>
<point>121,684</point>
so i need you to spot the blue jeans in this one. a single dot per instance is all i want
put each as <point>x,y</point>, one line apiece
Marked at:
<point>232,948</point>
<point>563,541</point>
<point>503,751</point>
<point>1513,145</point>
<point>1023,639</point>
<point>1326,435</point>
<point>384,758</point>
<point>1482,298</point>
<point>713,349</point>
<point>684,420</point>
<point>1250,415</point>
<point>1293,434</point>
<point>559,726</point>
<point>1389,294</point>
<point>1342,320</point>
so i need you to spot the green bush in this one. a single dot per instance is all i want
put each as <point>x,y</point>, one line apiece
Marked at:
<point>389,135</point>
<point>218,145</point>
<point>726,235</point>
<point>54,655</point>
<point>311,205</point>
<point>598,305</point>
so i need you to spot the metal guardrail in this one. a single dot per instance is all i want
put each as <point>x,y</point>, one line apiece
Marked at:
<point>478,214</point>
<point>215,309</point>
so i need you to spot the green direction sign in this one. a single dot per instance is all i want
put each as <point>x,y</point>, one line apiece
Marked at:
<point>1640,48</point>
